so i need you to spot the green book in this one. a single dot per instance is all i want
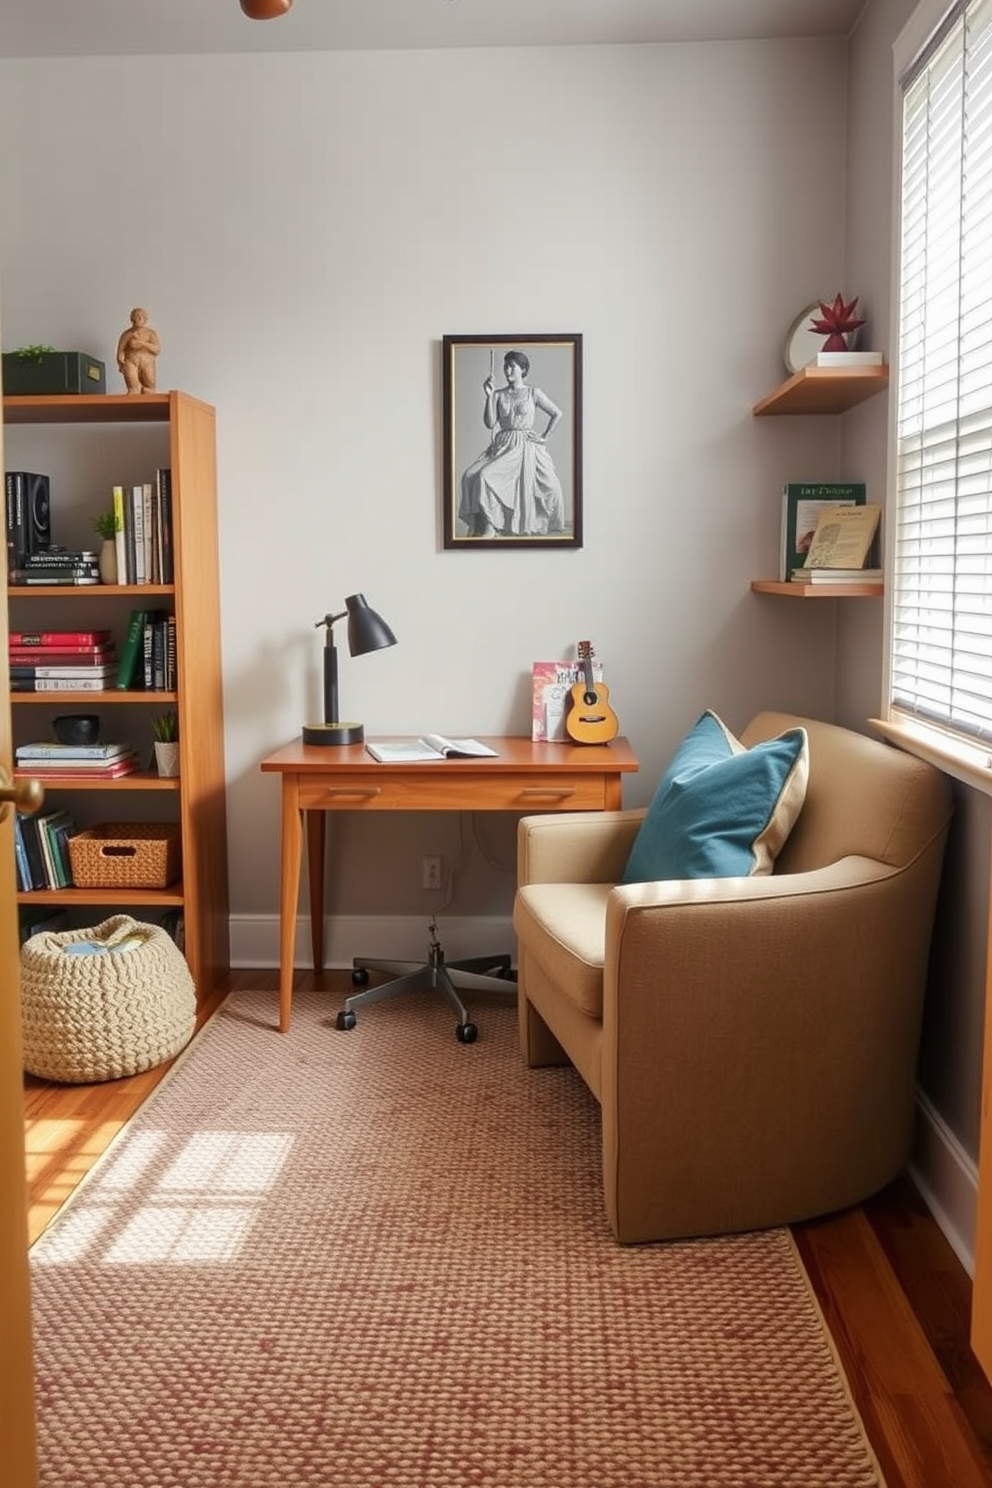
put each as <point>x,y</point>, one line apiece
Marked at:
<point>132,650</point>
<point>802,503</point>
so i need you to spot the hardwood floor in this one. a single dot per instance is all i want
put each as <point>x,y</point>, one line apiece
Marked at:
<point>894,1295</point>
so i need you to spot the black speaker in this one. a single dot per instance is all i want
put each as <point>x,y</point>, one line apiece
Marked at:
<point>38,512</point>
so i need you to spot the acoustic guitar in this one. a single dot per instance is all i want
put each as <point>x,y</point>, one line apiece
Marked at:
<point>590,719</point>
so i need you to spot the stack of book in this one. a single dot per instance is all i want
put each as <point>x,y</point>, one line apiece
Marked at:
<point>75,761</point>
<point>837,575</point>
<point>62,661</point>
<point>57,566</point>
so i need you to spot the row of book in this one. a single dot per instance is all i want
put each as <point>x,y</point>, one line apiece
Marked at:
<point>148,654</point>
<point>143,531</point>
<point>41,852</point>
<point>87,660</point>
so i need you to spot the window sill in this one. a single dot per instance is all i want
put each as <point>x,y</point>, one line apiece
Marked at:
<point>965,762</point>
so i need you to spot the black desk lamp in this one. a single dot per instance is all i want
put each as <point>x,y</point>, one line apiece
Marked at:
<point>367,631</point>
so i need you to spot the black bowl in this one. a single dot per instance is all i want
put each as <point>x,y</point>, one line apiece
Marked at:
<point>77,728</point>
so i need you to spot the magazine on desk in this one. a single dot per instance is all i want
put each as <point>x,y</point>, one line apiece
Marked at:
<point>428,747</point>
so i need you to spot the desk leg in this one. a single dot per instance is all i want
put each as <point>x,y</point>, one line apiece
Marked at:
<point>289,897</point>
<point>316,837</point>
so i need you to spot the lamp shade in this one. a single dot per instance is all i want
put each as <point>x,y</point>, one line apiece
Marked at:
<point>367,631</point>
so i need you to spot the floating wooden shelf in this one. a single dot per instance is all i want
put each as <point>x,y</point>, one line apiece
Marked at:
<point>817,591</point>
<point>824,390</point>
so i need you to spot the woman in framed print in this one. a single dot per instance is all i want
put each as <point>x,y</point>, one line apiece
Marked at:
<point>513,488</point>
<point>516,492</point>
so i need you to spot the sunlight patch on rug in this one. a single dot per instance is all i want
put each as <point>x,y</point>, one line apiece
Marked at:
<point>379,1259</point>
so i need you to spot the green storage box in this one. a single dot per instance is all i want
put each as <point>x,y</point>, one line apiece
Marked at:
<point>53,372</point>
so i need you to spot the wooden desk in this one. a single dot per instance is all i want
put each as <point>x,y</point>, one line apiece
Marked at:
<point>524,778</point>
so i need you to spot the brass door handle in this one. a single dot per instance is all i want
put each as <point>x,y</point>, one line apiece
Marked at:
<point>26,793</point>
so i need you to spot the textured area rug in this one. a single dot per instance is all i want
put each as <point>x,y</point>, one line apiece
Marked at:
<point>378,1258</point>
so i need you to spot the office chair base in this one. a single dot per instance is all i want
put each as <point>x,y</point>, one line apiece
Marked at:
<point>468,974</point>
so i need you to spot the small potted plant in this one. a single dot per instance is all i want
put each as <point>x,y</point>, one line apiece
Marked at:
<point>105,526</point>
<point>166,731</point>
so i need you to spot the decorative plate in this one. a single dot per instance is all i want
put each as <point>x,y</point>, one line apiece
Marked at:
<point>802,343</point>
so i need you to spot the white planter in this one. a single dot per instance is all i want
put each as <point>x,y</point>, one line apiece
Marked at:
<point>108,561</point>
<point>167,757</point>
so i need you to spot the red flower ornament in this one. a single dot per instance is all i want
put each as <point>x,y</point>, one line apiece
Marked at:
<point>838,320</point>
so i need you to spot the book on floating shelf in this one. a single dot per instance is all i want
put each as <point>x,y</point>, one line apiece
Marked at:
<point>428,747</point>
<point>843,537</point>
<point>802,503</point>
<point>837,575</point>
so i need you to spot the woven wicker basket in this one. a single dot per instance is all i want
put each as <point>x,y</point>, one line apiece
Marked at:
<point>105,1014</point>
<point>136,855</point>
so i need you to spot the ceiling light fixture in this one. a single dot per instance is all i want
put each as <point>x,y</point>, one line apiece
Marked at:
<point>265,10</point>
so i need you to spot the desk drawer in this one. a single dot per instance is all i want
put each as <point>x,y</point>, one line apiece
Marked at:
<point>532,793</point>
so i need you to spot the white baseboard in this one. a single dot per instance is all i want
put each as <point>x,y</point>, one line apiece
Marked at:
<point>947,1178</point>
<point>255,938</point>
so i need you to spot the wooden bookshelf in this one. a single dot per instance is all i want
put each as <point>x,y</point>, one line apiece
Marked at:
<point>176,430</point>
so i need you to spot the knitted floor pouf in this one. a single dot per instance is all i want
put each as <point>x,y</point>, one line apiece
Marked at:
<point>105,1002</point>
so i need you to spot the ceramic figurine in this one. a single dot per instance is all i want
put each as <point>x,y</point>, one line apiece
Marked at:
<point>136,352</point>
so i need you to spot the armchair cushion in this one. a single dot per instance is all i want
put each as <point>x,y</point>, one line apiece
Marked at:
<point>722,810</point>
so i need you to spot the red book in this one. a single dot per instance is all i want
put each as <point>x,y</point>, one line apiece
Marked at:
<point>42,771</point>
<point>48,656</point>
<point>60,638</point>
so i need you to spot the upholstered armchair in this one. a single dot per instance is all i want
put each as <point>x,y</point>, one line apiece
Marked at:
<point>752,1041</point>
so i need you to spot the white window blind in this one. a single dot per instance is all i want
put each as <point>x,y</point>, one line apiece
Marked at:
<point>941,635</point>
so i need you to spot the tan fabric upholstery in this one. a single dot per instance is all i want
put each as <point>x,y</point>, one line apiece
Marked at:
<point>752,1042</point>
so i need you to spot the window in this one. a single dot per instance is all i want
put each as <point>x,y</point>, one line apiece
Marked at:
<point>940,663</point>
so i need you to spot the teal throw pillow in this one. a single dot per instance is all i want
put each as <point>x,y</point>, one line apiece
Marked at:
<point>721,811</point>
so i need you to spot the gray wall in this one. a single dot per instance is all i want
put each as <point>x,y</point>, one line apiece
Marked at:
<point>303,229</point>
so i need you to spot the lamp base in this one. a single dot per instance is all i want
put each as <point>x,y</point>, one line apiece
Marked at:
<point>333,733</point>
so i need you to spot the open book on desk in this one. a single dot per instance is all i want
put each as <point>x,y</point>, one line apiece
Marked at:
<point>428,747</point>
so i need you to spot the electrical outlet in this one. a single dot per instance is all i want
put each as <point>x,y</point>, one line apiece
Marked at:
<point>431,874</point>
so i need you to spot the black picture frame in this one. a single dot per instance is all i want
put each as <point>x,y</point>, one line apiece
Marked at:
<point>502,489</point>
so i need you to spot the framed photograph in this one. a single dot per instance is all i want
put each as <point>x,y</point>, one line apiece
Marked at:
<point>512,441</point>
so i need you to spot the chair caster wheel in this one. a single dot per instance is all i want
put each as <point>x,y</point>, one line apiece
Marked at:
<point>467,1033</point>
<point>345,1021</point>
<point>359,977</point>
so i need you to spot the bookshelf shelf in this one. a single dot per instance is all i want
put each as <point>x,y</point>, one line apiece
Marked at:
<point>179,431</point>
<point>820,390</point>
